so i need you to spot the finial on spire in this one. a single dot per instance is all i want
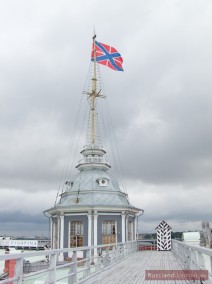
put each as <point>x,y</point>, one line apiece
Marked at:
<point>94,33</point>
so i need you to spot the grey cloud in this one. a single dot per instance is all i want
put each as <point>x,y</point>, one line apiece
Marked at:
<point>160,105</point>
<point>19,217</point>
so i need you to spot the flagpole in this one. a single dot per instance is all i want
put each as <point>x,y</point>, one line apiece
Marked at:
<point>93,96</point>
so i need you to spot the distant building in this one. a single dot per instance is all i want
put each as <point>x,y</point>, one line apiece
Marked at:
<point>191,238</point>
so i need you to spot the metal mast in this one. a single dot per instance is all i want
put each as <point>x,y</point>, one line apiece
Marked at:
<point>93,94</point>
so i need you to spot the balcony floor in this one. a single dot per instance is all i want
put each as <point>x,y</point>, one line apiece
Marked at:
<point>132,270</point>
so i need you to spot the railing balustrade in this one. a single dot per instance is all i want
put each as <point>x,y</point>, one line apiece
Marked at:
<point>193,257</point>
<point>64,265</point>
<point>150,244</point>
<point>93,146</point>
<point>98,160</point>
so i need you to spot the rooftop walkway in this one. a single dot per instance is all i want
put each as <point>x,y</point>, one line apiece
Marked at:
<point>132,270</point>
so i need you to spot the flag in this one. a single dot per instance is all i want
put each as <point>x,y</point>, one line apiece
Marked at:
<point>107,55</point>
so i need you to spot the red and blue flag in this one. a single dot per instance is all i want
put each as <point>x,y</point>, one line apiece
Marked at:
<point>107,55</point>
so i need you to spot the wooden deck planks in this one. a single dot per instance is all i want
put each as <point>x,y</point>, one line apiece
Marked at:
<point>132,270</point>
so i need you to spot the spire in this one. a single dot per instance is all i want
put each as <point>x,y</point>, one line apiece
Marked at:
<point>93,95</point>
<point>93,152</point>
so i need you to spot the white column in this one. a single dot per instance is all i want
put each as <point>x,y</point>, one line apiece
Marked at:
<point>95,231</point>
<point>95,216</point>
<point>54,233</point>
<point>123,227</point>
<point>51,232</point>
<point>127,225</point>
<point>135,228</point>
<point>89,228</point>
<point>58,232</point>
<point>61,256</point>
<point>61,231</point>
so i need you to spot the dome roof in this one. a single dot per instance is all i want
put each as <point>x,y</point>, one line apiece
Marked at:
<point>94,188</point>
<point>88,179</point>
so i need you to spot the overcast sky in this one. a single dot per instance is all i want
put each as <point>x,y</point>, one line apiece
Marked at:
<point>160,105</point>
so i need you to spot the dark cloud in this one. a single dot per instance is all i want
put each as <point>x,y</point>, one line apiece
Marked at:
<point>160,105</point>
<point>19,217</point>
<point>19,224</point>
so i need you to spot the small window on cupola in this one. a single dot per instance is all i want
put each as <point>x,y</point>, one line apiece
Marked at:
<point>69,184</point>
<point>103,181</point>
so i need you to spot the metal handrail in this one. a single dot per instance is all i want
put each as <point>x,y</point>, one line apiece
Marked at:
<point>98,160</point>
<point>193,257</point>
<point>76,267</point>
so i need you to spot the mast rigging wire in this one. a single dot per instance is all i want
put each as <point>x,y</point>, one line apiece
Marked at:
<point>68,154</point>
